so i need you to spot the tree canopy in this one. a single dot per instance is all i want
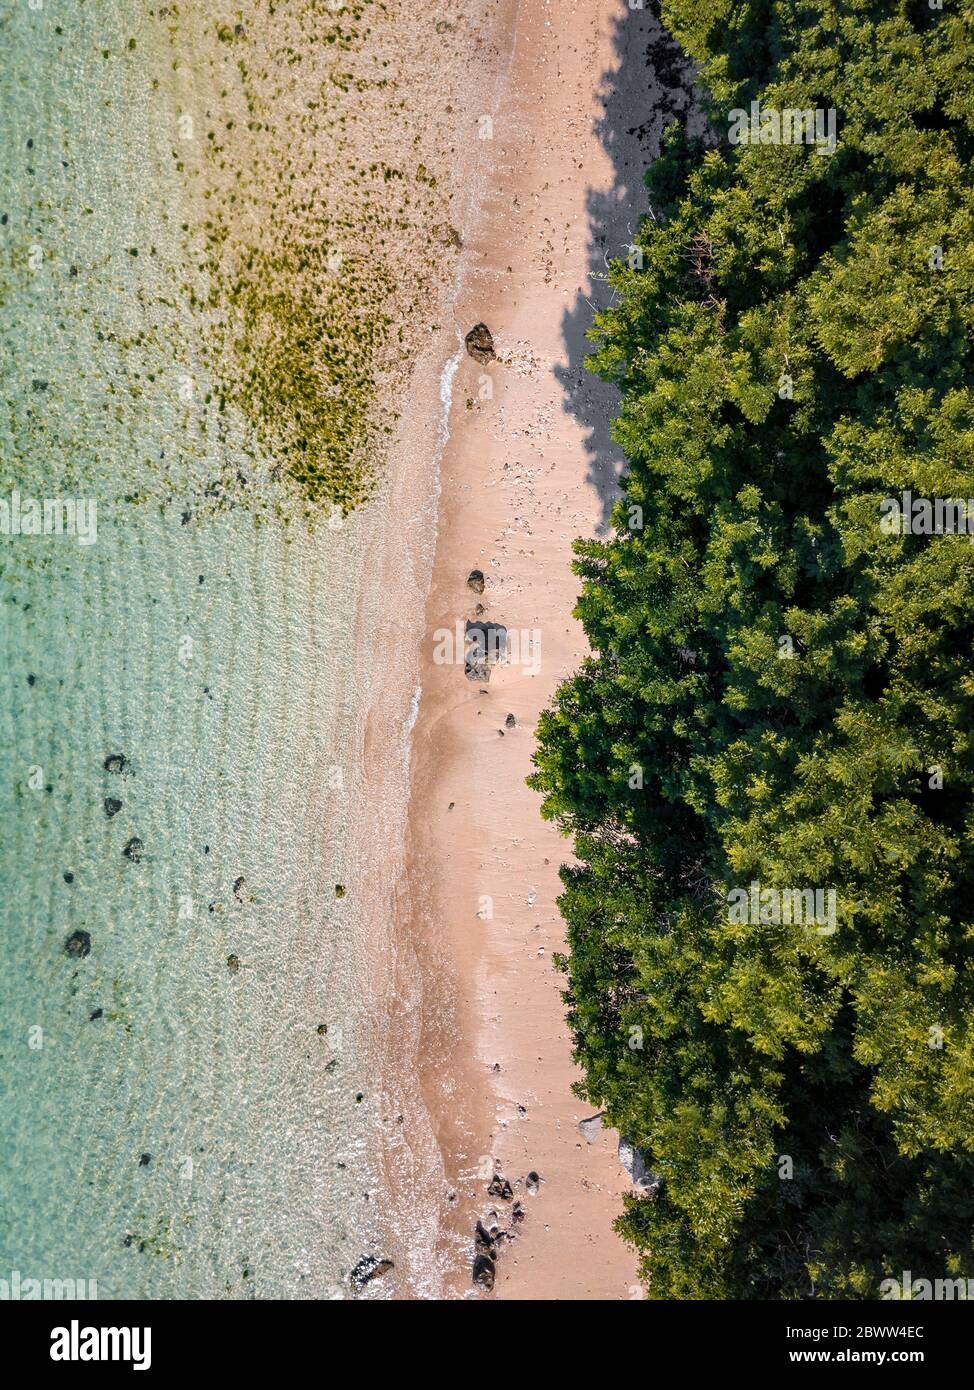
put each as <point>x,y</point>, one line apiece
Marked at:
<point>779,691</point>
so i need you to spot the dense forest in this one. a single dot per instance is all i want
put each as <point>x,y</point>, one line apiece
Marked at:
<point>781,690</point>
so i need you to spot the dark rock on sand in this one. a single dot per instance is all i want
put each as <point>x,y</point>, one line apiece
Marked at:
<point>112,806</point>
<point>480,343</point>
<point>532,1182</point>
<point>484,1271</point>
<point>134,850</point>
<point>475,581</point>
<point>322,1029</point>
<point>484,645</point>
<point>233,964</point>
<point>119,764</point>
<point>78,944</point>
<point>368,1268</point>
<point>144,1160</point>
<point>500,1187</point>
<point>510,722</point>
<point>95,1013</point>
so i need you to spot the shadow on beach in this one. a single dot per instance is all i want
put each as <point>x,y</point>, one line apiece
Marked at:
<point>650,85</point>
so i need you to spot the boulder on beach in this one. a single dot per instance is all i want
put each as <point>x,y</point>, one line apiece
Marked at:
<point>484,645</point>
<point>480,343</point>
<point>78,944</point>
<point>475,581</point>
<point>500,1187</point>
<point>634,1163</point>
<point>368,1268</point>
<point>591,1128</point>
<point>484,1271</point>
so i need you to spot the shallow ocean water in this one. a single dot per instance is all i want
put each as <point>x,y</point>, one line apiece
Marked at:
<point>207,642</point>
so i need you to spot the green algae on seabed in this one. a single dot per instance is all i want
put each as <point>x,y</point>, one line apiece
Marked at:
<point>299,340</point>
<point>301,287</point>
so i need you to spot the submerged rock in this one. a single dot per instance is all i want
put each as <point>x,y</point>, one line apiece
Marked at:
<point>112,806</point>
<point>78,944</point>
<point>238,888</point>
<point>134,850</point>
<point>480,343</point>
<point>118,764</point>
<point>233,964</point>
<point>368,1268</point>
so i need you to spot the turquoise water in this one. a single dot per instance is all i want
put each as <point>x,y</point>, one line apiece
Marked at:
<point>205,637</point>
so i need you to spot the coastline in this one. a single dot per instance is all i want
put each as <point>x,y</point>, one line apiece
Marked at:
<point>527,468</point>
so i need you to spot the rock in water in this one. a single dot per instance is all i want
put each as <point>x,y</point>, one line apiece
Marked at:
<point>78,944</point>
<point>480,343</point>
<point>119,764</point>
<point>233,964</point>
<point>475,581</point>
<point>133,850</point>
<point>368,1268</point>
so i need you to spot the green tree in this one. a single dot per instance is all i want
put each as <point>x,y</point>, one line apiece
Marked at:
<point>779,691</point>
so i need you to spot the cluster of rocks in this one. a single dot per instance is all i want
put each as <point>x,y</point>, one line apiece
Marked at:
<point>491,1233</point>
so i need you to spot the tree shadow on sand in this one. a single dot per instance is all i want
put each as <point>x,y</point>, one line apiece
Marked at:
<point>649,85</point>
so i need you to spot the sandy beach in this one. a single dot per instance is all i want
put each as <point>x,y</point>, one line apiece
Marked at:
<point>527,468</point>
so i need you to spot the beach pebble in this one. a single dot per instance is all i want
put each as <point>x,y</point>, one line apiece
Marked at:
<point>532,1183</point>
<point>475,581</point>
